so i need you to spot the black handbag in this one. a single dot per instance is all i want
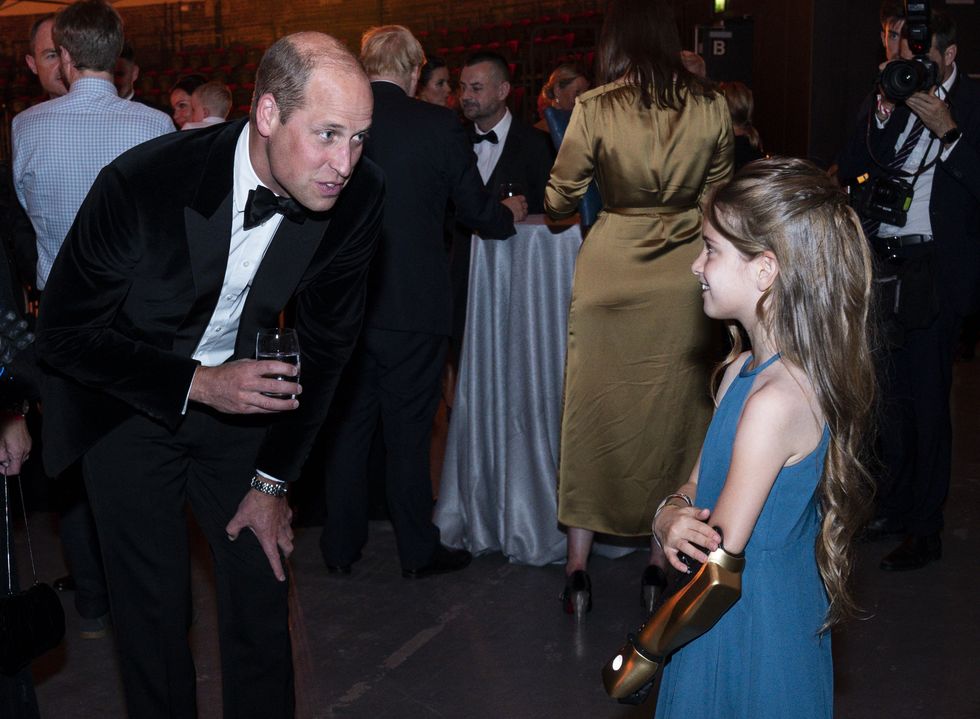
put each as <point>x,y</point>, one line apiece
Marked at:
<point>32,621</point>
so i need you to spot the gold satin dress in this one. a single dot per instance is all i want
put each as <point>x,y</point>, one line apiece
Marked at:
<point>637,400</point>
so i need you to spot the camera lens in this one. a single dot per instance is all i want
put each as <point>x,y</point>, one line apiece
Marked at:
<point>901,78</point>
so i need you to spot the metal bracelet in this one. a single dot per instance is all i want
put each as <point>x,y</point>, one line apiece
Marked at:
<point>660,508</point>
<point>273,489</point>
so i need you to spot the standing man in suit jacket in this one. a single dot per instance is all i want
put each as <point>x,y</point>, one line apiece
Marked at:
<point>507,151</point>
<point>426,157</point>
<point>927,274</point>
<point>184,248</point>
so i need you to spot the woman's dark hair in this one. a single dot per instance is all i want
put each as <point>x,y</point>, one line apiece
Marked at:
<point>639,42</point>
<point>189,83</point>
<point>432,63</point>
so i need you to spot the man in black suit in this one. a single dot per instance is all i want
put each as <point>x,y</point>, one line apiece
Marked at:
<point>426,157</point>
<point>507,151</point>
<point>126,73</point>
<point>926,275</point>
<point>185,247</point>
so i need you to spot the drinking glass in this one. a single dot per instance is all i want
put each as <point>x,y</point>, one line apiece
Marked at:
<point>282,345</point>
<point>509,189</point>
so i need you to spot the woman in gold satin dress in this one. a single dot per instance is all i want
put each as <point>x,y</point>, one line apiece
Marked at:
<point>655,137</point>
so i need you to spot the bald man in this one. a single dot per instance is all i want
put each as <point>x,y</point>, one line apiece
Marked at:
<point>184,249</point>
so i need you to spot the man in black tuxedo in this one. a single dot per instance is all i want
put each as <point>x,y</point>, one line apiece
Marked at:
<point>184,248</point>
<point>926,274</point>
<point>507,151</point>
<point>426,157</point>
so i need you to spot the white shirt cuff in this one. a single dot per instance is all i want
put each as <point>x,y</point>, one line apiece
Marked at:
<point>269,477</point>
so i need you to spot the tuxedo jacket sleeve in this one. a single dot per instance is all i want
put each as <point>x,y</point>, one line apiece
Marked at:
<point>138,277</point>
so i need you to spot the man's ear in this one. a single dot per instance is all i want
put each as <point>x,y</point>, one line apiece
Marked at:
<point>414,80</point>
<point>30,63</point>
<point>503,91</point>
<point>266,114</point>
<point>136,73</point>
<point>949,57</point>
<point>768,270</point>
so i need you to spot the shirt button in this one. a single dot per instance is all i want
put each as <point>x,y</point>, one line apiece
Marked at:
<point>245,263</point>
<point>229,297</point>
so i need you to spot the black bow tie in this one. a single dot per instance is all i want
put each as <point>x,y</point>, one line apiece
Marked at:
<point>263,203</point>
<point>476,137</point>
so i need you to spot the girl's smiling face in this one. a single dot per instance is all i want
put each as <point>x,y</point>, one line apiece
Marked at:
<point>729,288</point>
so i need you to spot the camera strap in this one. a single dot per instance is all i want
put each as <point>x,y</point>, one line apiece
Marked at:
<point>890,168</point>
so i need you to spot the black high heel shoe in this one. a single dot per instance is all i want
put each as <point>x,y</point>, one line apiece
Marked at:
<point>652,586</point>
<point>577,597</point>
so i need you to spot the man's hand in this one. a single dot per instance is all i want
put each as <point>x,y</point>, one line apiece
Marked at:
<point>269,519</point>
<point>237,387</point>
<point>933,112</point>
<point>15,443</point>
<point>518,206</point>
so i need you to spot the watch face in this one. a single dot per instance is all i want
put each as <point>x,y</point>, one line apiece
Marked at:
<point>951,136</point>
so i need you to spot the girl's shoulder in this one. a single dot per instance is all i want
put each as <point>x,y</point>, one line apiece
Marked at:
<point>784,395</point>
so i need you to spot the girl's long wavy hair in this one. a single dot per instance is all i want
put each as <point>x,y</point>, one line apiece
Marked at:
<point>817,313</point>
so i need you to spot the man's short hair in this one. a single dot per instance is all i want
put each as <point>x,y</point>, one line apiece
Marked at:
<point>943,29</point>
<point>495,59</point>
<point>216,97</point>
<point>289,62</point>
<point>36,28</point>
<point>92,33</point>
<point>891,10</point>
<point>390,51</point>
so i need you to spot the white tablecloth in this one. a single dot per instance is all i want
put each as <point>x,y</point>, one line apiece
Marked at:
<point>499,479</point>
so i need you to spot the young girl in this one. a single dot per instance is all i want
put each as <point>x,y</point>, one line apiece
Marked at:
<point>779,471</point>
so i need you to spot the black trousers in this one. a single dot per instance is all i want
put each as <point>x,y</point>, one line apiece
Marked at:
<point>80,544</point>
<point>140,479</point>
<point>395,375</point>
<point>914,427</point>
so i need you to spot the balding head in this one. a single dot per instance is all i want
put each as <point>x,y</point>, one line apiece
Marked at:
<point>287,65</point>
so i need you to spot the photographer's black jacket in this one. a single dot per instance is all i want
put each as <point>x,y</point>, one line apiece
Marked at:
<point>954,207</point>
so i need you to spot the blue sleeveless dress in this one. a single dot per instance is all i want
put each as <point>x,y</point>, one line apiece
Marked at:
<point>764,658</point>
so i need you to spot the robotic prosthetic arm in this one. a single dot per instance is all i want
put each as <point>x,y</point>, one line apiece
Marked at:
<point>686,614</point>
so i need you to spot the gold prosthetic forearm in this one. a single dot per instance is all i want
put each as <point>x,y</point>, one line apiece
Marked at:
<point>684,616</point>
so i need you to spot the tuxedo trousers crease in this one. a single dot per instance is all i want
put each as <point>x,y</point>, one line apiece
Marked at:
<point>141,479</point>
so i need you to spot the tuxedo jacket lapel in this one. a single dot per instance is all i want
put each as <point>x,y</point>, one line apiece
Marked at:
<point>506,159</point>
<point>207,225</point>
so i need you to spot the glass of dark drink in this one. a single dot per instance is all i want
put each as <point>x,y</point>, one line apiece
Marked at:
<point>281,345</point>
<point>509,189</point>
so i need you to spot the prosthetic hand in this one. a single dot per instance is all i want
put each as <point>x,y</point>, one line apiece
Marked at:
<point>689,612</point>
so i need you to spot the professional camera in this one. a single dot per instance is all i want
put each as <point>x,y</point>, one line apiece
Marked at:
<point>885,199</point>
<point>902,78</point>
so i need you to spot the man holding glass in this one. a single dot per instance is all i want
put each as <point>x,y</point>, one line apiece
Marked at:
<point>184,249</point>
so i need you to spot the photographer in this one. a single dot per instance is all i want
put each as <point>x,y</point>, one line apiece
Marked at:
<point>914,169</point>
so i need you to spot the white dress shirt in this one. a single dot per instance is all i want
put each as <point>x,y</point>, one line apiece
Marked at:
<point>488,153</point>
<point>206,122</point>
<point>918,222</point>
<point>246,251</point>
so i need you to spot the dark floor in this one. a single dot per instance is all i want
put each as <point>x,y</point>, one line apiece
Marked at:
<point>492,642</point>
